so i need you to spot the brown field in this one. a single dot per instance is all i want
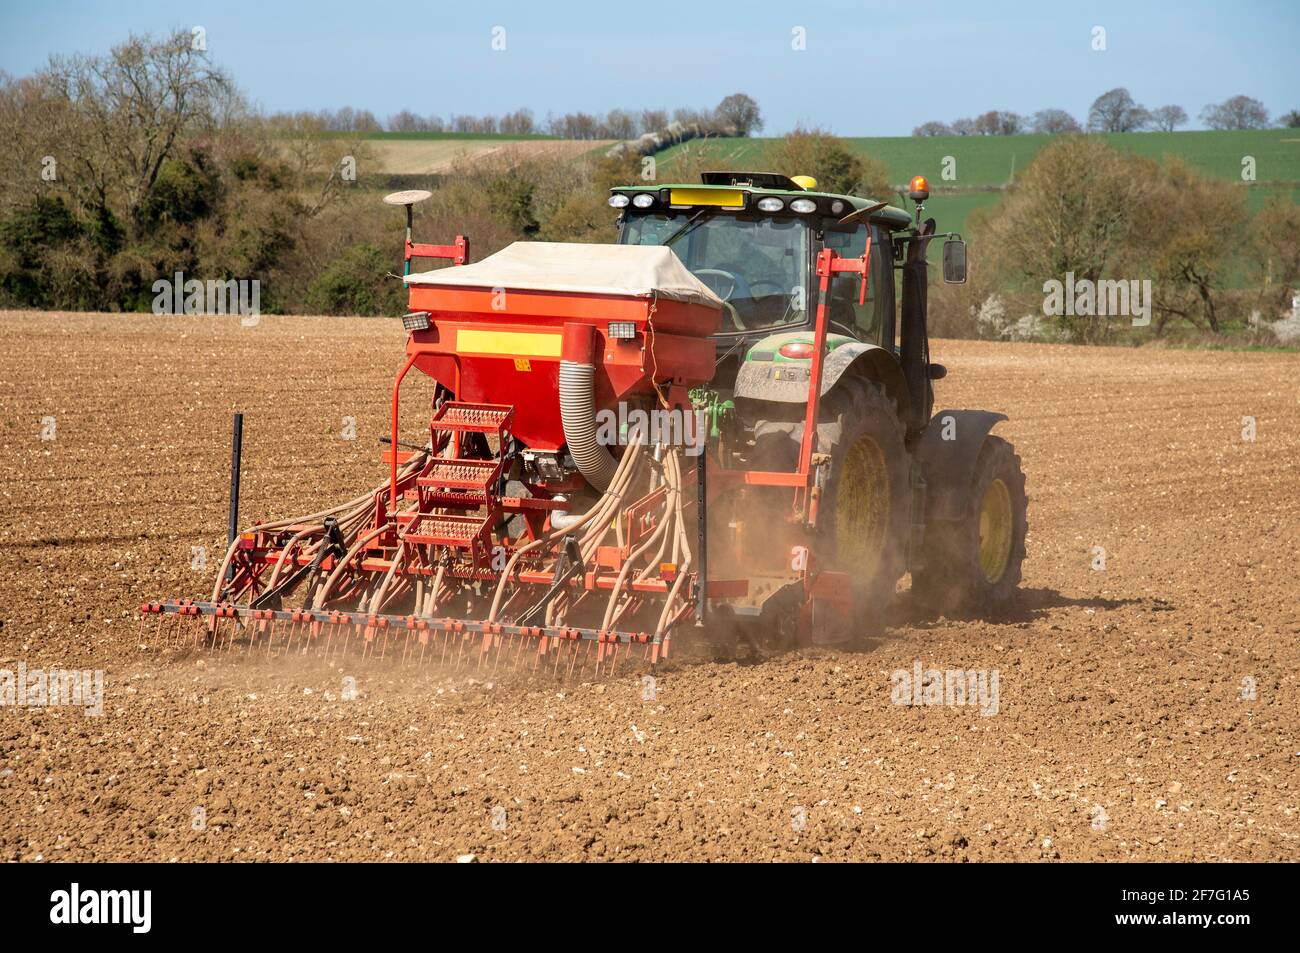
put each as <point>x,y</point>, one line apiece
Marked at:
<point>433,156</point>
<point>1122,732</point>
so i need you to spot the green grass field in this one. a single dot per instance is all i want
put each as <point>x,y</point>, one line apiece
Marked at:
<point>986,164</point>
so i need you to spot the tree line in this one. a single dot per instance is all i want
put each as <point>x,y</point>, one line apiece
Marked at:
<point>1112,111</point>
<point>737,112</point>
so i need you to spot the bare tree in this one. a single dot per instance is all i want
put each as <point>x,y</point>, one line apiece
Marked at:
<point>741,111</point>
<point>1055,122</point>
<point>404,121</point>
<point>1239,112</point>
<point>652,120</point>
<point>933,128</point>
<point>1115,111</point>
<point>997,122</point>
<point>619,124</point>
<point>1168,118</point>
<point>517,123</point>
<point>131,109</point>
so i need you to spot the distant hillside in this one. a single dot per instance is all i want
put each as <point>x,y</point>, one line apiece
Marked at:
<point>986,164</point>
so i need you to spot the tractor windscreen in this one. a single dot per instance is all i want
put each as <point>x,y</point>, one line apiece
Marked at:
<point>756,264</point>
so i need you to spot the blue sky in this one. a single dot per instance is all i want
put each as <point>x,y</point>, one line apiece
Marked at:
<point>436,57</point>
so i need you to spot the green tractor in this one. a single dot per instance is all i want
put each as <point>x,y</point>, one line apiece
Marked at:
<point>899,488</point>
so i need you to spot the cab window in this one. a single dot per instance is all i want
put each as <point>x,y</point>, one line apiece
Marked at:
<point>846,313</point>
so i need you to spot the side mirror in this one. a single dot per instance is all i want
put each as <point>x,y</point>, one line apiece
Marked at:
<point>954,261</point>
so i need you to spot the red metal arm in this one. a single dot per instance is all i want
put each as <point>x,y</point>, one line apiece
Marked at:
<point>397,386</point>
<point>828,265</point>
<point>457,252</point>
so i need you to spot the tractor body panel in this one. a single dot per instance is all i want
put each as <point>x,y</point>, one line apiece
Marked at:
<point>767,375</point>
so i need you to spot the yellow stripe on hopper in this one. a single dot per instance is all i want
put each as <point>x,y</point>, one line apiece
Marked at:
<point>514,343</point>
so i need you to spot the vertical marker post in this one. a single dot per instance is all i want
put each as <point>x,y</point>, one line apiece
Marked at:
<point>702,535</point>
<point>236,451</point>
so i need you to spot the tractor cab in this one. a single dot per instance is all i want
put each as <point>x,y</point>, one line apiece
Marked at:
<point>754,239</point>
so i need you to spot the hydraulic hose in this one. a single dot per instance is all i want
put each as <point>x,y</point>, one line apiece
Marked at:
<point>578,417</point>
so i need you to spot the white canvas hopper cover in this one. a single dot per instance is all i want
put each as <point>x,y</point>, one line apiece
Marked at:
<point>639,271</point>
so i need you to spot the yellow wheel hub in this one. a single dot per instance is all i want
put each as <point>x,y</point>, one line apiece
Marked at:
<point>996,524</point>
<point>862,508</point>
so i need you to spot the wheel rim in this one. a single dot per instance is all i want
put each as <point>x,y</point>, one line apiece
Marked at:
<point>995,531</point>
<point>862,509</point>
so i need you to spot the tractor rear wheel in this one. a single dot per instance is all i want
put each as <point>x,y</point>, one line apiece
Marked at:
<point>863,514</point>
<point>972,566</point>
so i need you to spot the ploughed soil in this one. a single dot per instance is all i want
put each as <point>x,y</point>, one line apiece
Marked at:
<point>1146,710</point>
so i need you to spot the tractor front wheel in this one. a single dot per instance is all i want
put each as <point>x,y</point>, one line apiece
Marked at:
<point>971,566</point>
